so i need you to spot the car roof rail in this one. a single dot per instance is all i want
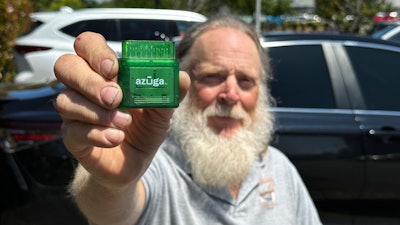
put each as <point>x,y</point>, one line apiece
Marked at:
<point>66,9</point>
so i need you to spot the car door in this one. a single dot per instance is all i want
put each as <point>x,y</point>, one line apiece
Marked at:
<point>377,73</point>
<point>315,127</point>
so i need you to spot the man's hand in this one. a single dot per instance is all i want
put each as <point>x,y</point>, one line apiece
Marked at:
<point>114,147</point>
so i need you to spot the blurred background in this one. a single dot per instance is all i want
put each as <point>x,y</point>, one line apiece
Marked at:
<point>344,16</point>
<point>342,133</point>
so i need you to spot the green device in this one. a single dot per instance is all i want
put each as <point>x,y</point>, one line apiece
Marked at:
<point>149,74</point>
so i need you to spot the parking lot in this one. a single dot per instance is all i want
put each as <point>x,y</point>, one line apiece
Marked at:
<point>49,207</point>
<point>39,205</point>
<point>359,212</point>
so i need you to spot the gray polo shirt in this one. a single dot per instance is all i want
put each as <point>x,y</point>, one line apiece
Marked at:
<point>273,193</point>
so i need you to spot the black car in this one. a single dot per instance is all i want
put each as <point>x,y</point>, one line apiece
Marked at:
<point>337,119</point>
<point>30,138</point>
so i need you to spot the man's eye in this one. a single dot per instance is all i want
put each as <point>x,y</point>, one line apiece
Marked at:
<point>246,83</point>
<point>211,80</point>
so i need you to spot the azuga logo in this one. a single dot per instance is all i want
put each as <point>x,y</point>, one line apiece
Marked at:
<point>150,81</point>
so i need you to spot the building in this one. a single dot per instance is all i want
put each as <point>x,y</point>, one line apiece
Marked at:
<point>395,3</point>
<point>304,5</point>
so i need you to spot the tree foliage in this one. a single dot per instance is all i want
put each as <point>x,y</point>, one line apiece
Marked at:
<point>14,20</point>
<point>350,16</point>
<point>191,5</point>
<point>277,7</point>
<point>208,7</point>
<point>75,4</point>
<point>54,5</point>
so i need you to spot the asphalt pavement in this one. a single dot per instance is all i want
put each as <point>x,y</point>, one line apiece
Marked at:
<point>40,207</point>
<point>359,212</point>
<point>44,206</point>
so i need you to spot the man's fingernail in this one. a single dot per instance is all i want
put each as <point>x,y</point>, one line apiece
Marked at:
<point>109,94</point>
<point>120,119</point>
<point>113,135</point>
<point>106,67</point>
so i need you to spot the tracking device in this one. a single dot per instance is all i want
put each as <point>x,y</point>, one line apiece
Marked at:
<point>149,74</point>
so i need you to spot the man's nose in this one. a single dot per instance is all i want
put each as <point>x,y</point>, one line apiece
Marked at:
<point>230,93</point>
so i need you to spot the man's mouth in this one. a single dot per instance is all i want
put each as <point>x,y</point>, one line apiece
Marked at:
<point>224,125</point>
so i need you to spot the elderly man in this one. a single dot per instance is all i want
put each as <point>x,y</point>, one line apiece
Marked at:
<point>206,163</point>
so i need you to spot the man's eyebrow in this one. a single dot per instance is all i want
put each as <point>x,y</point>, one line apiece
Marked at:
<point>205,68</point>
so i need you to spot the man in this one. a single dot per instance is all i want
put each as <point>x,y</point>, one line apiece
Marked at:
<point>209,164</point>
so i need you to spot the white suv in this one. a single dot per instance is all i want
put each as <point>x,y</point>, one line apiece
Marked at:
<point>37,51</point>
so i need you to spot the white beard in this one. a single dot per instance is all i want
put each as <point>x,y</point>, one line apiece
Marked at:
<point>219,161</point>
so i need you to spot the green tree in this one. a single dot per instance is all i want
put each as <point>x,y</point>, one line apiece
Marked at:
<point>192,5</point>
<point>277,7</point>
<point>350,16</point>
<point>54,5</point>
<point>208,7</point>
<point>41,5</point>
<point>14,20</point>
<point>75,4</point>
<point>268,7</point>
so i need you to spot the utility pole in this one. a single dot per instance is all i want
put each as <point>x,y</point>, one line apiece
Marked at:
<point>157,4</point>
<point>258,16</point>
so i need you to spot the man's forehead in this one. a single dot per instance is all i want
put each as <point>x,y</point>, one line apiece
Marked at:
<point>220,40</point>
<point>225,47</point>
<point>223,35</point>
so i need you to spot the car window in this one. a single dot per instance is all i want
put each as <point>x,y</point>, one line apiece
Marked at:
<point>300,77</point>
<point>395,37</point>
<point>107,27</point>
<point>126,29</point>
<point>183,26</point>
<point>378,75</point>
<point>379,33</point>
<point>148,30</point>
